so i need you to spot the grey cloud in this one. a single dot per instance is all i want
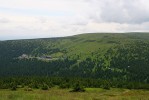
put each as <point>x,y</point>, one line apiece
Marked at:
<point>89,16</point>
<point>134,27</point>
<point>80,21</point>
<point>4,20</point>
<point>42,20</point>
<point>121,11</point>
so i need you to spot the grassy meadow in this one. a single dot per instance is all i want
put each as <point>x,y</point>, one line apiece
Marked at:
<point>64,94</point>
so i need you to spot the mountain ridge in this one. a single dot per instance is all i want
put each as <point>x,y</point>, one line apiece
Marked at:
<point>97,55</point>
<point>78,35</point>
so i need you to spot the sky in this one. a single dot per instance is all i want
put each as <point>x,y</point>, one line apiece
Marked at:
<point>23,19</point>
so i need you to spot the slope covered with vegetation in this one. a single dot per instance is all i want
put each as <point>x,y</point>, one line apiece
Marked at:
<point>119,57</point>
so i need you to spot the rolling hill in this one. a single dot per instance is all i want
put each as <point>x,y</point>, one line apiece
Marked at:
<point>115,56</point>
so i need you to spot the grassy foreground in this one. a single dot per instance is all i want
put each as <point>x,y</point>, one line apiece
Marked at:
<point>64,94</point>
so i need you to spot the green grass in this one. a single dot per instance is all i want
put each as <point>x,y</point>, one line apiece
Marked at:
<point>64,94</point>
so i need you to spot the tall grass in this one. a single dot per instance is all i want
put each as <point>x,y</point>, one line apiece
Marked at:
<point>64,94</point>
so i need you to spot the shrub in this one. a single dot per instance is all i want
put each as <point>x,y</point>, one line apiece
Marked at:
<point>50,85</point>
<point>34,85</point>
<point>45,87</point>
<point>13,86</point>
<point>106,85</point>
<point>64,85</point>
<point>28,89</point>
<point>78,88</point>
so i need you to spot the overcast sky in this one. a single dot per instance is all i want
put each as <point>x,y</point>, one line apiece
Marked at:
<point>21,19</point>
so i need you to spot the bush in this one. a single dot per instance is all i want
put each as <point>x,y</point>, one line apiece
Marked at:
<point>78,88</point>
<point>34,86</point>
<point>106,85</point>
<point>45,87</point>
<point>64,85</point>
<point>5,86</point>
<point>13,86</point>
<point>28,89</point>
<point>50,85</point>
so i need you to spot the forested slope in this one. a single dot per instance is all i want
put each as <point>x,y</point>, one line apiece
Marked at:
<point>111,56</point>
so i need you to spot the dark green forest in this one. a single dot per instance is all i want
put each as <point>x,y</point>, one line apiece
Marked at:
<point>90,60</point>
